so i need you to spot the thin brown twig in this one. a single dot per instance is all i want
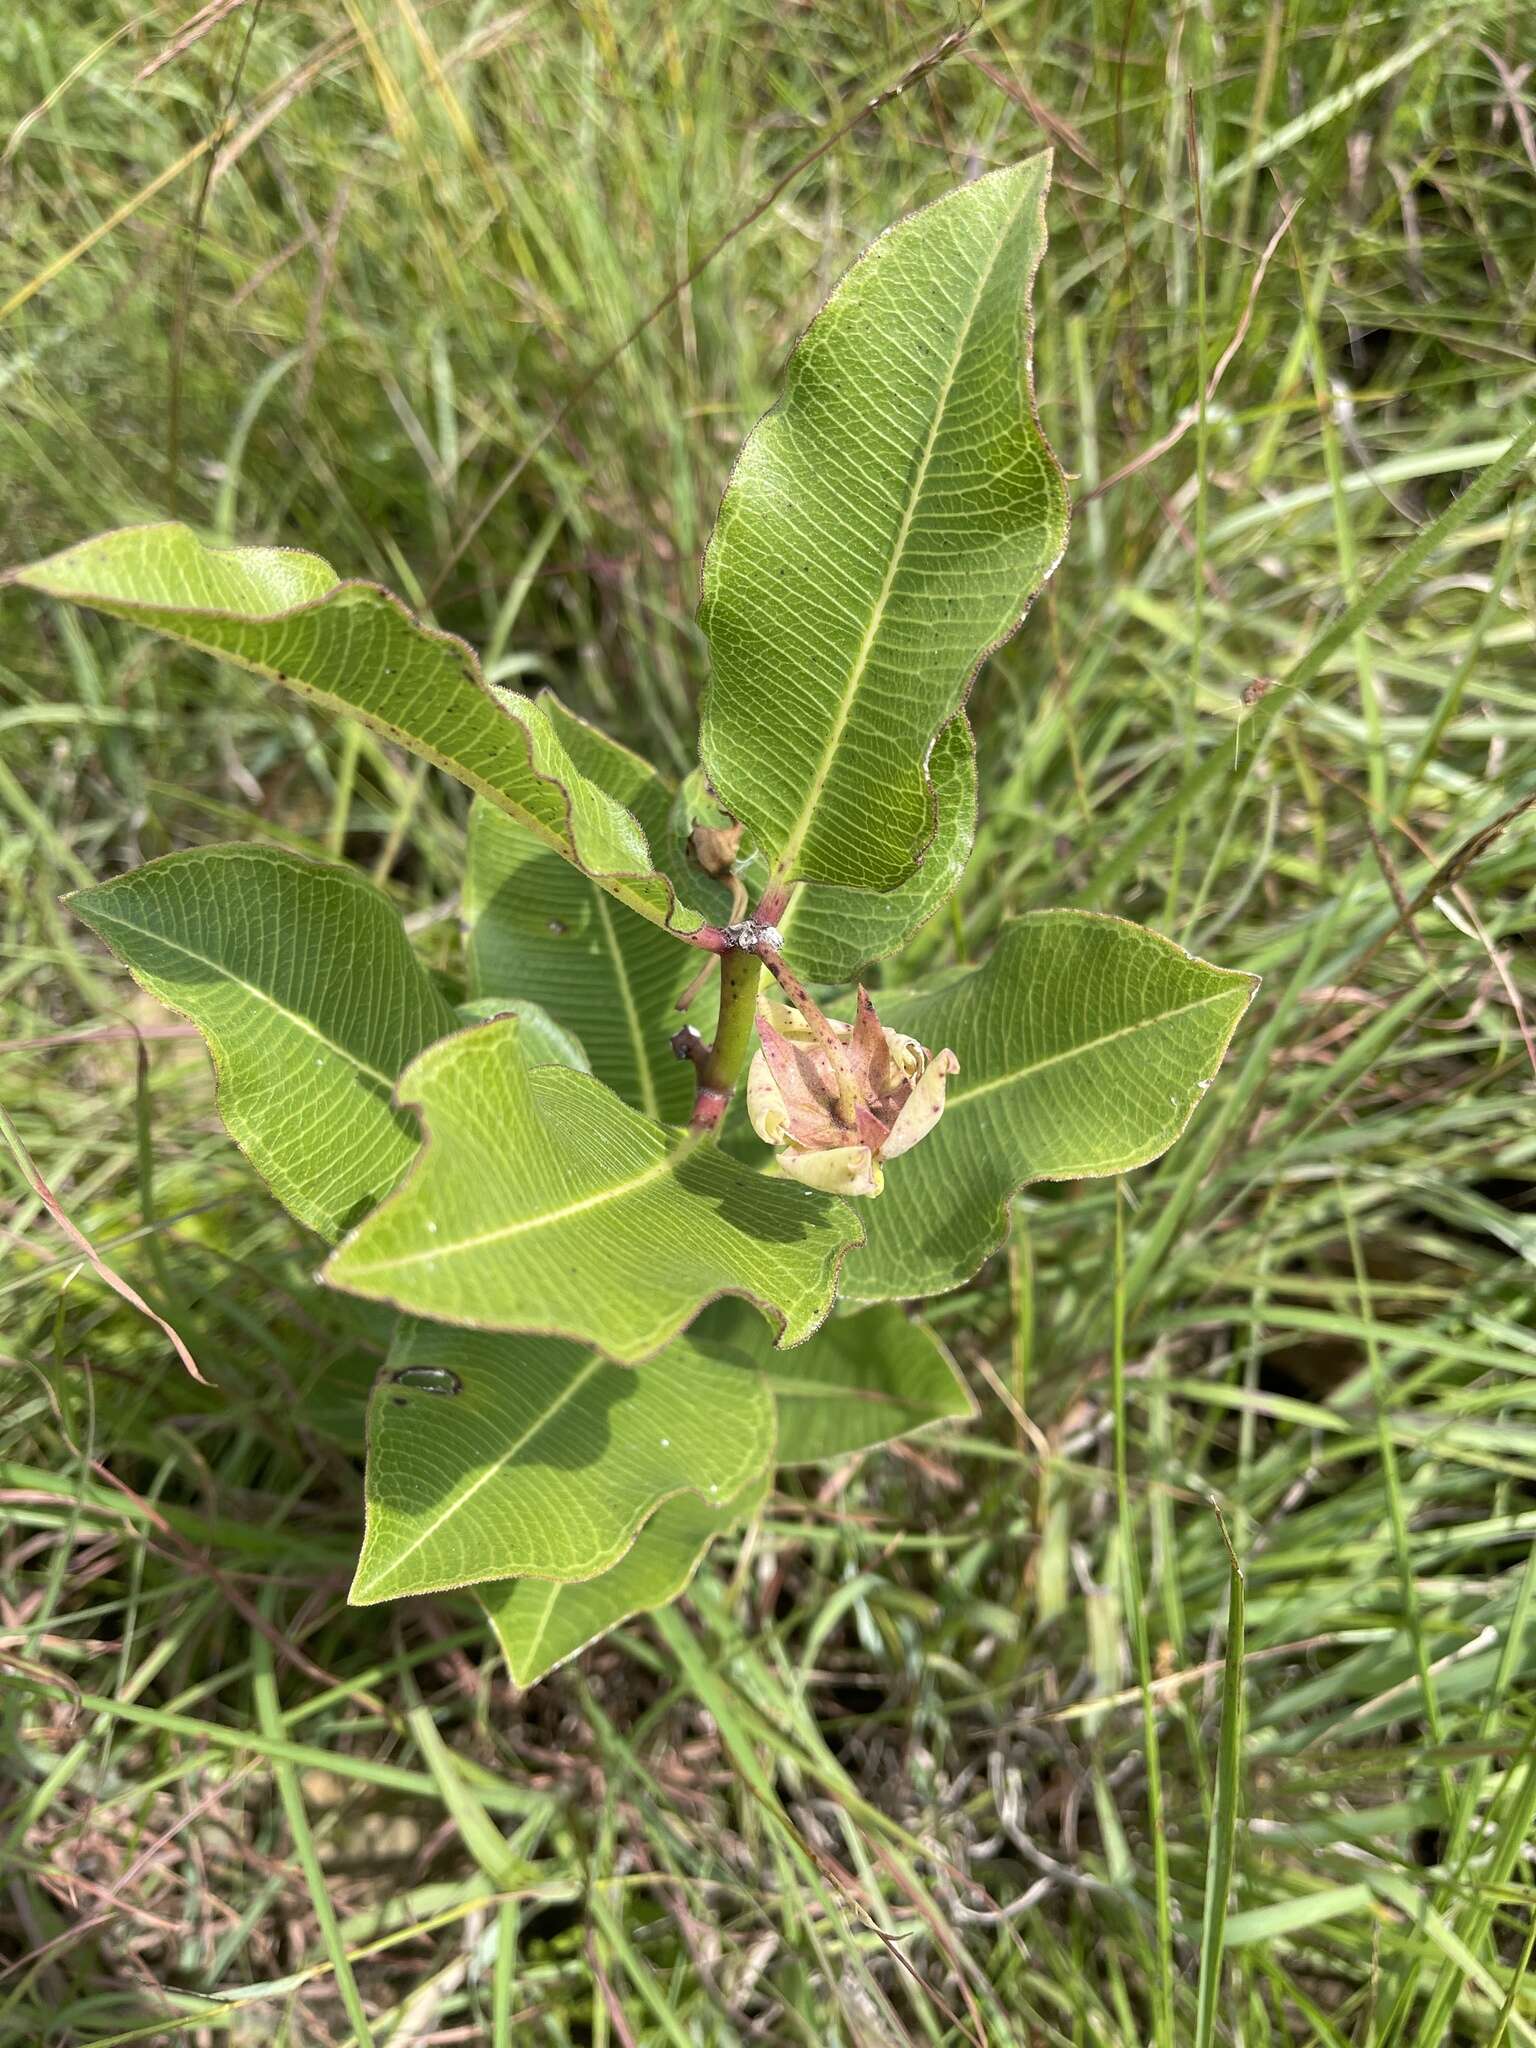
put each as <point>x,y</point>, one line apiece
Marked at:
<point>1513,81</point>
<point>343,44</point>
<point>1451,871</point>
<point>1166,442</point>
<point>82,1243</point>
<point>1446,879</point>
<point>1399,894</point>
<point>1044,118</point>
<point>190,33</point>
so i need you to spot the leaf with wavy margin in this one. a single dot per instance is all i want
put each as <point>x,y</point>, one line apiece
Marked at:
<point>1084,1043</point>
<point>302,981</point>
<point>541,1202</point>
<point>492,1454</point>
<point>831,933</point>
<point>540,1624</point>
<point>862,1380</point>
<point>885,528</point>
<point>356,649</point>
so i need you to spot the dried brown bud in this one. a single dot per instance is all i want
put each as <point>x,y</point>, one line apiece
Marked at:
<point>715,848</point>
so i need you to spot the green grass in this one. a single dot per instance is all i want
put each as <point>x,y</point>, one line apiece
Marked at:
<point>934,1755</point>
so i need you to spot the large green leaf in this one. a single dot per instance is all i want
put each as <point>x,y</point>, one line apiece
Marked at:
<point>1084,1045</point>
<point>491,1454</point>
<point>830,933</point>
<point>305,986</point>
<point>538,929</point>
<point>541,1202</point>
<point>861,1380</point>
<point>356,649</point>
<point>539,1623</point>
<point>885,527</point>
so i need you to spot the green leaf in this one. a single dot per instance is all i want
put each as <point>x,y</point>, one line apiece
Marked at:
<point>545,1043</point>
<point>540,1623</point>
<point>885,528</point>
<point>830,933</point>
<point>492,1454</point>
<point>305,986</point>
<point>659,806</point>
<point>541,1202</point>
<point>1084,1045</point>
<point>861,1380</point>
<point>356,649</point>
<point>616,769</point>
<point>537,930</point>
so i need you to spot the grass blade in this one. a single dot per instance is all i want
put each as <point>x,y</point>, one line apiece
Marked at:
<point>1221,1853</point>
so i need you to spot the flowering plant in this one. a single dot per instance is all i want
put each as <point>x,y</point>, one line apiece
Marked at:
<point>595,1269</point>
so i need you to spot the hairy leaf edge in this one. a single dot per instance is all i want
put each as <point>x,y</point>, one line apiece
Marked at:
<point>651,1606</point>
<point>905,938</point>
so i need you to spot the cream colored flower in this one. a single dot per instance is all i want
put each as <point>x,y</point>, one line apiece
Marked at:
<point>836,1102</point>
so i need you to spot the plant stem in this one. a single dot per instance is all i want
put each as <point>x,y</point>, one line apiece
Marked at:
<point>774,902</point>
<point>720,1068</point>
<point>743,952</point>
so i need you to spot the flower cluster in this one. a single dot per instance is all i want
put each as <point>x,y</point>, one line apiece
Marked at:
<point>836,1100</point>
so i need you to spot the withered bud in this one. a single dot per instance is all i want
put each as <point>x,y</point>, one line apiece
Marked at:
<point>714,837</point>
<point>715,848</point>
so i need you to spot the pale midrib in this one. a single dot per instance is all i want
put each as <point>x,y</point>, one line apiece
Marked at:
<point>514,1449</point>
<point>790,851</point>
<point>504,1231</point>
<point>552,1591</point>
<point>631,1015</point>
<point>1073,1052</point>
<point>386,1081</point>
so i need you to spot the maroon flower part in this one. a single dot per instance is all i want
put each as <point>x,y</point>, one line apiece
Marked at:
<point>837,1100</point>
